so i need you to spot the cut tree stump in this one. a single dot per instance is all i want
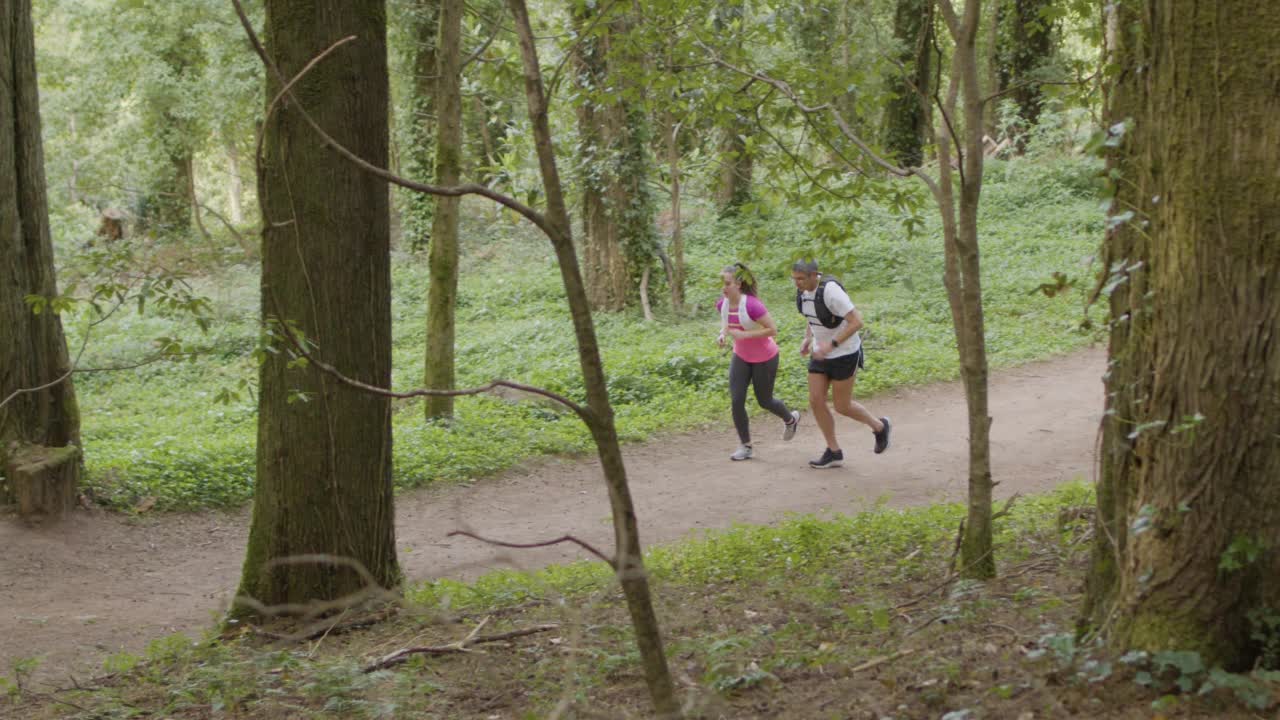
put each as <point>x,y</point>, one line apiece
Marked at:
<point>43,480</point>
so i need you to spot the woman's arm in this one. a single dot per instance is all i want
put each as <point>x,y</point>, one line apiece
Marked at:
<point>766,329</point>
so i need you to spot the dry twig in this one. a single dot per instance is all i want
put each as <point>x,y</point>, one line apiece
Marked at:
<point>400,656</point>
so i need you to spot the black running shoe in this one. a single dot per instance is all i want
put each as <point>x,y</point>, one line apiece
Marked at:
<point>882,437</point>
<point>830,459</point>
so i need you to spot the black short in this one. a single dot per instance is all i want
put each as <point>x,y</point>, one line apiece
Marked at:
<point>841,368</point>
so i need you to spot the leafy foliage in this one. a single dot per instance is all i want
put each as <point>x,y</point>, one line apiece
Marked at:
<point>183,433</point>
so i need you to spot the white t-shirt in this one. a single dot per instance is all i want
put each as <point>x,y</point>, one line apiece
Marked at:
<point>838,302</point>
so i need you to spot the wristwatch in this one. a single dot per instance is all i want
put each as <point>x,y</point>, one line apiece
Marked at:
<point>834,342</point>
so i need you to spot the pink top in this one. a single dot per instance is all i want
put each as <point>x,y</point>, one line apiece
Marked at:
<point>756,349</point>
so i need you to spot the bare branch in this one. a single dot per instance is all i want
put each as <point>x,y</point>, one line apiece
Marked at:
<point>400,656</point>
<point>448,191</point>
<point>584,413</point>
<point>1026,83</point>
<point>783,87</point>
<point>480,50</point>
<point>1008,505</point>
<point>524,546</point>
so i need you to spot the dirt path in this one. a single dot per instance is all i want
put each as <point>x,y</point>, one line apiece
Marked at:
<point>97,584</point>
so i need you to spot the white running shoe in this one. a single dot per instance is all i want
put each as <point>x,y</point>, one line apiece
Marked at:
<point>789,429</point>
<point>742,453</point>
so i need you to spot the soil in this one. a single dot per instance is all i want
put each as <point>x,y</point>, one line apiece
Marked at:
<point>97,583</point>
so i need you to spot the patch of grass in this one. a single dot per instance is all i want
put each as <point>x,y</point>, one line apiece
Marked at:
<point>184,433</point>
<point>812,618</point>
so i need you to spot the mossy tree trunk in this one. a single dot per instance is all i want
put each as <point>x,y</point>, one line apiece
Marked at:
<point>676,278</point>
<point>33,350</point>
<point>736,166</point>
<point>733,188</point>
<point>613,162</point>
<point>1188,536</point>
<point>419,153</point>
<point>1026,41</point>
<point>324,464</point>
<point>170,202</point>
<point>628,557</point>
<point>442,293</point>
<point>907,116</point>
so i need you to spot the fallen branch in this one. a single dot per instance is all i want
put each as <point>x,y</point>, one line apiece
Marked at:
<point>950,578</point>
<point>401,656</point>
<point>524,546</point>
<point>879,661</point>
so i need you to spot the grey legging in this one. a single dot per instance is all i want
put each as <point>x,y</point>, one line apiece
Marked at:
<point>760,376</point>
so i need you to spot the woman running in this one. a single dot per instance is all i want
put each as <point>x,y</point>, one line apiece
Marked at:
<point>755,354</point>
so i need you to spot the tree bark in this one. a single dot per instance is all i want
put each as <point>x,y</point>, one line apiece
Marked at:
<point>169,204</point>
<point>419,154</point>
<point>736,167</point>
<point>906,117</point>
<point>613,164</point>
<point>628,557</point>
<point>324,462</point>
<point>736,164</point>
<point>677,275</point>
<point>962,276</point>
<point>1188,528</point>
<point>442,293</point>
<point>33,350</point>
<point>1026,42</point>
<point>235,183</point>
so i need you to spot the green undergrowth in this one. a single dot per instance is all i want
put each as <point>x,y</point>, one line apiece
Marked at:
<point>857,616</point>
<point>184,433</point>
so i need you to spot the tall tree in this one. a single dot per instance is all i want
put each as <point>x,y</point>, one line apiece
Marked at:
<point>736,161</point>
<point>1188,541</point>
<point>628,559</point>
<point>1025,41</point>
<point>442,293</point>
<point>614,162</point>
<point>906,123</point>
<point>324,448</point>
<point>423,18</point>
<point>35,408</point>
<point>170,193</point>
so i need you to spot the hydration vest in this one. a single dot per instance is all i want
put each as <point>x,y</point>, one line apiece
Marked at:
<point>824,314</point>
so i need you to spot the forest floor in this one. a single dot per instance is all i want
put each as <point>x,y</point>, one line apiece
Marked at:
<point>98,583</point>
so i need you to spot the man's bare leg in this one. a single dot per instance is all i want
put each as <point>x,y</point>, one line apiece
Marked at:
<point>818,384</point>
<point>842,398</point>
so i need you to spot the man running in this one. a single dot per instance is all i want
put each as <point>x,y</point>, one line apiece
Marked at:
<point>835,349</point>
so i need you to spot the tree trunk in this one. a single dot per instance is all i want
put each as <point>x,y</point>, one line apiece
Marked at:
<point>44,479</point>
<point>1026,42</point>
<point>167,207</point>
<point>906,117</point>
<point>324,449</point>
<point>736,164</point>
<point>1188,541</point>
<point>33,351</point>
<point>419,156</point>
<point>990,50</point>
<point>676,279</point>
<point>235,184</point>
<point>618,236</point>
<point>628,559</point>
<point>962,277</point>
<point>736,167</point>
<point>442,293</point>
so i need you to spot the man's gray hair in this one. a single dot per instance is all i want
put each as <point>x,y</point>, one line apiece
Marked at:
<point>805,266</point>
